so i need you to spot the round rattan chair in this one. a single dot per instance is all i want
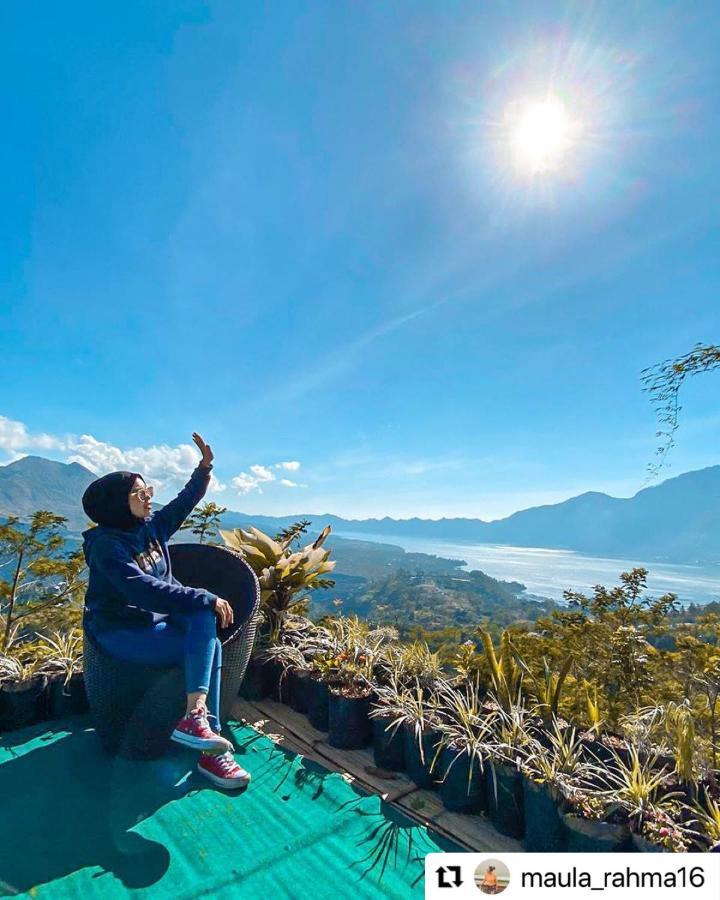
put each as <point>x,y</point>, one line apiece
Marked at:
<point>135,707</point>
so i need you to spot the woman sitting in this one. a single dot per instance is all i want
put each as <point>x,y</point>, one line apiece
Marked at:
<point>137,611</point>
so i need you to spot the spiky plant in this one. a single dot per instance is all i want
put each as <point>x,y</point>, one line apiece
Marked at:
<point>505,674</point>
<point>463,724</point>
<point>60,653</point>
<point>286,578</point>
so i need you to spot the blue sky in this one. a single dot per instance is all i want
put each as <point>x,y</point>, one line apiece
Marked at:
<point>297,228</point>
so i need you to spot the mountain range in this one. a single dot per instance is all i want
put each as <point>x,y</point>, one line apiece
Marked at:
<point>677,520</point>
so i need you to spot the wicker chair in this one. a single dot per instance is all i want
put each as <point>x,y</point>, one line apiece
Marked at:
<point>136,706</point>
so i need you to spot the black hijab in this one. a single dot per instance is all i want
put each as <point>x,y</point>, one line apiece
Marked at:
<point>107,501</point>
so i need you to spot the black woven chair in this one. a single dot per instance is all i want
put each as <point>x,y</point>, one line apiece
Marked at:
<point>135,707</point>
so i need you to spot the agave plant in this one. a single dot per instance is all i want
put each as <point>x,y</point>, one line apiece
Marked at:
<point>637,785</point>
<point>463,724</point>
<point>667,730</point>
<point>408,663</point>
<point>510,733</point>
<point>708,817</point>
<point>546,690</point>
<point>561,765</point>
<point>60,654</point>
<point>505,674</point>
<point>592,707</point>
<point>411,707</point>
<point>285,577</point>
<point>13,668</point>
<point>359,649</point>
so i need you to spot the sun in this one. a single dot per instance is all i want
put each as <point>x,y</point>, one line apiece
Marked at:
<point>541,133</point>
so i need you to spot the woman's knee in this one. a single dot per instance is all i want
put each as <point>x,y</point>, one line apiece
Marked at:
<point>203,620</point>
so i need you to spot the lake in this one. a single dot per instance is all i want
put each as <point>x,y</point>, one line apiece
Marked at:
<point>547,573</point>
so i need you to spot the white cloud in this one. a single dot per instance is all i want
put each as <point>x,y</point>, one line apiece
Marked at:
<point>244,482</point>
<point>14,436</point>
<point>258,475</point>
<point>167,468</point>
<point>262,473</point>
<point>291,466</point>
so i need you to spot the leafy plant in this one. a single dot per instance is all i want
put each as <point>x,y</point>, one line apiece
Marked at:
<point>204,521</point>
<point>547,689</point>
<point>708,817</point>
<point>40,575</point>
<point>505,673</point>
<point>636,785</point>
<point>286,578</point>
<point>463,724</point>
<point>561,765</point>
<point>60,654</point>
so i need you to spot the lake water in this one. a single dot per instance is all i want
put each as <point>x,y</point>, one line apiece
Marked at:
<point>547,573</point>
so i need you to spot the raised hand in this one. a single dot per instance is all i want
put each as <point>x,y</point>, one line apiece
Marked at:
<point>207,454</point>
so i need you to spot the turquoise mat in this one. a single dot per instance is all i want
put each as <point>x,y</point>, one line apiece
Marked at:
<point>76,824</point>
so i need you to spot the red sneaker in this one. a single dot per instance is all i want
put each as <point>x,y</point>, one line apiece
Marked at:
<point>223,770</point>
<point>195,731</point>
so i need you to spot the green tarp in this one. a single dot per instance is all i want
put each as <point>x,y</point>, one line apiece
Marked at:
<point>76,823</point>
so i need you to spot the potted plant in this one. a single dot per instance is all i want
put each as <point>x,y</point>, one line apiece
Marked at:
<point>707,815</point>
<point>592,825</point>
<point>636,788</point>
<point>60,659</point>
<point>286,577</point>
<point>414,711</point>
<point>464,746</point>
<point>661,832</point>
<point>548,771</point>
<point>509,735</point>
<point>388,743</point>
<point>22,693</point>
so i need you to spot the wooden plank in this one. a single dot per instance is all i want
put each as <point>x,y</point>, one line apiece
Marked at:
<point>423,805</point>
<point>476,832</point>
<point>294,721</point>
<point>361,764</point>
<point>243,710</point>
<point>282,724</point>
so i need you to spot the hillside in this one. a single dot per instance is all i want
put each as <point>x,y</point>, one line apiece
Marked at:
<point>675,521</point>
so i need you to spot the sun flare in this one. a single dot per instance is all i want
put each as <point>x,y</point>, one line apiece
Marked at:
<point>541,134</point>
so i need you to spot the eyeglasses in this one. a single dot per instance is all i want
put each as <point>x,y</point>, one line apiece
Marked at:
<point>144,493</point>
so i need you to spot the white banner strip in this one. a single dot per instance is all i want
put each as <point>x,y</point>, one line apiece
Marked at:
<point>573,876</point>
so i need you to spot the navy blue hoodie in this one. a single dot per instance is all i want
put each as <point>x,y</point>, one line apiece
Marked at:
<point>131,579</point>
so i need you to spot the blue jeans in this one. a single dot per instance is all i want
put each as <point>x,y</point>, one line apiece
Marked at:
<point>189,639</point>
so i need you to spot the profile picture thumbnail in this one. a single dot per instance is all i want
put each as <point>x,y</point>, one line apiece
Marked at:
<point>492,876</point>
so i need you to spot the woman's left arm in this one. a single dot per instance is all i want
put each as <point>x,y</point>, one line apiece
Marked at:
<point>168,519</point>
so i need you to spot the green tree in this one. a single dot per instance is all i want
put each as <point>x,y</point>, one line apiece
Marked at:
<point>40,575</point>
<point>204,521</point>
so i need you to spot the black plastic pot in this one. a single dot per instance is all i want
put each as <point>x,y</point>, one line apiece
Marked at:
<point>643,845</point>
<point>254,683</point>
<point>544,832</point>
<point>463,785</point>
<point>316,694</point>
<point>418,770</point>
<point>388,745</point>
<point>590,836</point>
<point>297,682</point>
<point>276,680</point>
<point>505,799</point>
<point>22,703</point>
<point>349,725</point>
<point>66,699</point>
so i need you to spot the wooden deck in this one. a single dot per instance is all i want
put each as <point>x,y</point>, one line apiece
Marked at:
<point>283,725</point>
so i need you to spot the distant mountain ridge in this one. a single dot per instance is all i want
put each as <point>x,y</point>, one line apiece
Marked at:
<point>675,521</point>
